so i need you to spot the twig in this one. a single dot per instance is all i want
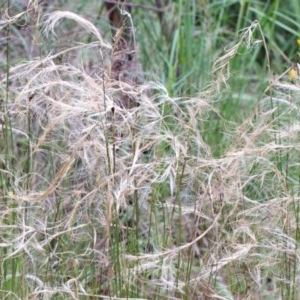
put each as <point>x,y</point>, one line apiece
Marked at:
<point>136,5</point>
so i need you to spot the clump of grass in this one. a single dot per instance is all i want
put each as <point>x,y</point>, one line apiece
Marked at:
<point>101,201</point>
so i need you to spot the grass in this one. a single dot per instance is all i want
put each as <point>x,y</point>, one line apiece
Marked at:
<point>193,194</point>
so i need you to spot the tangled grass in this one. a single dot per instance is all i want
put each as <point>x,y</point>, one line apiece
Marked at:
<point>103,202</point>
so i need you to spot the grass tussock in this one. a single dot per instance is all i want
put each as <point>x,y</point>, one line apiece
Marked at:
<point>99,201</point>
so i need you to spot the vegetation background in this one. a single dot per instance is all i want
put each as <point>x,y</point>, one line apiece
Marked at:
<point>193,193</point>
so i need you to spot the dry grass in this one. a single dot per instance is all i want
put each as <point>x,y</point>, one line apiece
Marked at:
<point>104,202</point>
